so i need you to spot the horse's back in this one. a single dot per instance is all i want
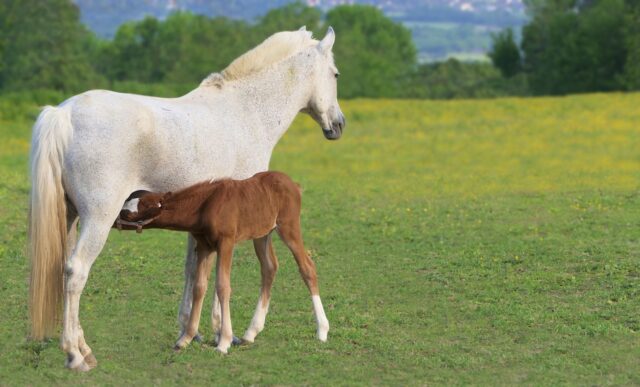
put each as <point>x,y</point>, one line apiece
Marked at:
<point>153,141</point>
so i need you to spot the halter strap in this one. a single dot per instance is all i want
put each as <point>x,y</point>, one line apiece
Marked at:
<point>138,225</point>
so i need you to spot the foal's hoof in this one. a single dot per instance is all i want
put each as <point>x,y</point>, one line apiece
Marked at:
<point>182,342</point>
<point>236,341</point>
<point>223,351</point>
<point>198,338</point>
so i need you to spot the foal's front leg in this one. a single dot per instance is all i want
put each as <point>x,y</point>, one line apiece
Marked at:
<point>223,289</point>
<point>203,269</point>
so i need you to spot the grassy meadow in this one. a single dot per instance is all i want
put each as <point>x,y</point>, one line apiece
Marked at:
<point>484,242</point>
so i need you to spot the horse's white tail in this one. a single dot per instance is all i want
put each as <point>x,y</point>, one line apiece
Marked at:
<point>47,219</point>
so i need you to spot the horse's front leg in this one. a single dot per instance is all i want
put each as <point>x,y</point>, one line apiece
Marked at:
<point>203,269</point>
<point>223,289</point>
<point>184,312</point>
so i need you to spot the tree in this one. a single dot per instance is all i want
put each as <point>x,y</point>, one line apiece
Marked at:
<point>631,76</point>
<point>572,47</point>
<point>375,56</point>
<point>134,52</point>
<point>44,47</point>
<point>287,18</point>
<point>505,54</point>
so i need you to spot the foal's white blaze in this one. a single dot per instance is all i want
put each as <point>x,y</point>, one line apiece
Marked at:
<point>257,322</point>
<point>131,205</point>
<point>321,318</point>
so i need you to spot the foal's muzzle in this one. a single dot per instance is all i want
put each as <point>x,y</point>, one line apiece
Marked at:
<point>336,129</point>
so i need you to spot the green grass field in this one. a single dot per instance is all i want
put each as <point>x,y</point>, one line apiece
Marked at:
<point>468,242</point>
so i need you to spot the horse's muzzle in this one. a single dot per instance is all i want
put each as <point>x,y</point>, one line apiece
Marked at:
<point>337,127</point>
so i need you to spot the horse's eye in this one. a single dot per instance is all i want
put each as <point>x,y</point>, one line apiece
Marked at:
<point>337,75</point>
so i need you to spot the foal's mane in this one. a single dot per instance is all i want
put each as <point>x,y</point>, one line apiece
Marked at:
<point>275,48</point>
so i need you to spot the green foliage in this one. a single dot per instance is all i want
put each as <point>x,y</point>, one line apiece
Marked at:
<point>455,79</point>
<point>576,49</point>
<point>288,17</point>
<point>375,55</point>
<point>505,54</point>
<point>631,77</point>
<point>43,46</point>
<point>182,49</point>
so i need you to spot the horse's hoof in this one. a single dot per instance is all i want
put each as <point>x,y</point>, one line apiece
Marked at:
<point>90,360</point>
<point>77,363</point>
<point>81,367</point>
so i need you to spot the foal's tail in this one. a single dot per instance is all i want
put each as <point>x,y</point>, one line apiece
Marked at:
<point>47,219</point>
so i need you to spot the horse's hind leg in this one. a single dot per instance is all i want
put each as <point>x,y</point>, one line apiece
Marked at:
<point>72,239</point>
<point>268,268</point>
<point>190,264</point>
<point>93,235</point>
<point>203,269</point>
<point>291,235</point>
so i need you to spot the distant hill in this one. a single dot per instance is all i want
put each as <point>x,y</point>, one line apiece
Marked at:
<point>441,28</point>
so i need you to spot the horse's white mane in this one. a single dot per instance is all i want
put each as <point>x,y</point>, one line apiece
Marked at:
<point>275,48</point>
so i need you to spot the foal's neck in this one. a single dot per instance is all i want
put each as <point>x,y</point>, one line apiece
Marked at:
<point>181,210</point>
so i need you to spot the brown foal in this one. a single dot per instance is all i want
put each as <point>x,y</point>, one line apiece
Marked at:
<point>220,214</point>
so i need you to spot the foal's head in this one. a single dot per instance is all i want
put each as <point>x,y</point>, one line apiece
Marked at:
<point>147,206</point>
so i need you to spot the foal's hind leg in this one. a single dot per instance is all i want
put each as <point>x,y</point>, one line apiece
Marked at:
<point>268,268</point>
<point>291,235</point>
<point>223,288</point>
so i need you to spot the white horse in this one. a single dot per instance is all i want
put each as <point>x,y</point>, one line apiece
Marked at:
<point>89,153</point>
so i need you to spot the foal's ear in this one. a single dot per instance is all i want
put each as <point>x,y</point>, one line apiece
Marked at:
<point>326,44</point>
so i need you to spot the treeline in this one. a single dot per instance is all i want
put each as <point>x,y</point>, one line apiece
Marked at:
<point>44,46</point>
<point>574,46</point>
<point>568,46</point>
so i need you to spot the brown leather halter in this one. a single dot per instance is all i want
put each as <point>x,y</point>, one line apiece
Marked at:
<point>138,225</point>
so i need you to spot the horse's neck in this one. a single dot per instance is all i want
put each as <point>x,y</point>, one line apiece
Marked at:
<point>276,96</point>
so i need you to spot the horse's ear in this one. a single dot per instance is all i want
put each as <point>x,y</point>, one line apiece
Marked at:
<point>326,44</point>
<point>303,28</point>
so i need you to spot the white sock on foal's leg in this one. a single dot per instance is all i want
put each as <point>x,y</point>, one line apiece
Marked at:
<point>321,318</point>
<point>257,322</point>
